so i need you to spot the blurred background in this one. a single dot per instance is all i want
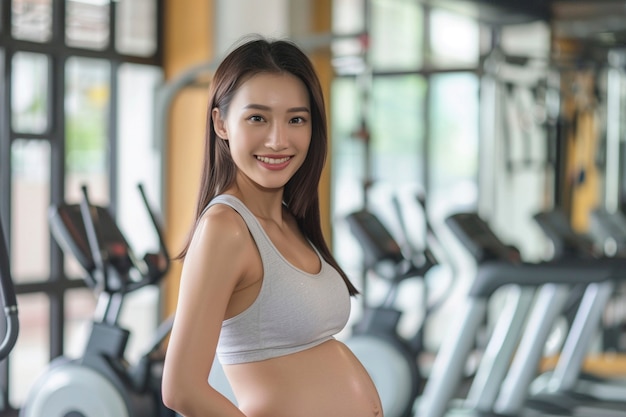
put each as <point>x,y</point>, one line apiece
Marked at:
<point>507,108</point>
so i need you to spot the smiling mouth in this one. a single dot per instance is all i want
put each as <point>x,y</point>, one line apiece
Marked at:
<point>273,161</point>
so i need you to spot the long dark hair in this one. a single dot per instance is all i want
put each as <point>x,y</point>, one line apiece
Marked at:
<point>301,197</point>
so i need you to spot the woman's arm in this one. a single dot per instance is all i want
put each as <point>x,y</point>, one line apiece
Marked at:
<point>213,267</point>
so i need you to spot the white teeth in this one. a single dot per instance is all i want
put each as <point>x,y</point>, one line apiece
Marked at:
<point>273,161</point>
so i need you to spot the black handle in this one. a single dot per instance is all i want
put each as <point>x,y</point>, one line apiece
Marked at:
<point>93,238</point>
<point>156,269</point>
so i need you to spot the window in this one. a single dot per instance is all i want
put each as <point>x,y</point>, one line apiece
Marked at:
<point>416,99</point>
<point>77,96</point>
<point>396,35</point>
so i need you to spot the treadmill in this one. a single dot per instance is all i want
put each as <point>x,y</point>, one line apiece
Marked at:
<point>568,391</point>
<point>539,292</point>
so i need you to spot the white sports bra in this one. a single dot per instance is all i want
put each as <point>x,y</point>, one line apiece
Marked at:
<point>293,311</point>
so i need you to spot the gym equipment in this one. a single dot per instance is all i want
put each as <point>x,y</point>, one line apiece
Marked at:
<point>567,243</point>
<point>9,304</point>
<point>102,383</point>
<point>433,248</point>
<point>539,292</point>
<point>608,228</point>
<point>9,301</point>
<point>567,385</point>
<point>391,360</point>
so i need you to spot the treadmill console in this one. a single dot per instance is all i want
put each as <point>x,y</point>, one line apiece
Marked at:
<point>479,239</point>
<point>566,241</point>
<point>609,228</point>
<point>377,243</point>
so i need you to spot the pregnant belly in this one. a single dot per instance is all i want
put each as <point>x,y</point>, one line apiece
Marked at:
<point>326,380</point>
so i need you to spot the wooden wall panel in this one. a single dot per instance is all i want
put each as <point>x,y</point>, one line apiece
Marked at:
<point>188,42</point>
<point>321,23</point>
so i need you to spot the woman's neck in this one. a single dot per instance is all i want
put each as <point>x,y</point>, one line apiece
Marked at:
<point>266,204</point>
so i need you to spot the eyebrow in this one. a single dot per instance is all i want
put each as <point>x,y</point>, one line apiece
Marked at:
<point>267,108</point>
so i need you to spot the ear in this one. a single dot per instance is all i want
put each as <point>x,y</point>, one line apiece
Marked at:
<point>219,125</point>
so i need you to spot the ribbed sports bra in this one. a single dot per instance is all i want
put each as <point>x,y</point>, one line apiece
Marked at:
<point>293,311</point>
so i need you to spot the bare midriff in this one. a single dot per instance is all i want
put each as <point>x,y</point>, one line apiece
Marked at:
<point>326,380</point>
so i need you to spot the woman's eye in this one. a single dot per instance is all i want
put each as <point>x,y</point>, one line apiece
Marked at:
<point>256,118</point>
<point>298,120</point>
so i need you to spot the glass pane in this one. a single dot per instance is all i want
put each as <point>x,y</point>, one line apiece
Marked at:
<point>31,20</point>
<point>348,167</point>
<point>396,34</point>
<point>348,16</point>
<point>396,152</point>
<point>139,158</point>
<point>454,39</point>
<point>397,130</point>
<point>137,84</point>
<point>86,109</point>
<point>348,56</point>
<point>30,356</point>
<point>136,27</point>
<point>79,309</point>
<point>87,23</point>
<point>453,141</point>
<point>29,93</point>
<point>30,241</point>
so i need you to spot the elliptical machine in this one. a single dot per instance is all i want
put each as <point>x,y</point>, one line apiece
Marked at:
<point>102,383</point>
<point>9,301</point>
<point>390,359</point>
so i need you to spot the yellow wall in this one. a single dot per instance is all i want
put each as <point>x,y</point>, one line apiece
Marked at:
<point>188,41</point>
<point>321,23</point>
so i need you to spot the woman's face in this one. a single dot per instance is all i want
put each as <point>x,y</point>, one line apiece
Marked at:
<point>268,127</point>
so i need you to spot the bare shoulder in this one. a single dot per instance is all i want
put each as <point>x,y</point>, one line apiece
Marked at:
<point>225,221</point>
<point>221,229</point>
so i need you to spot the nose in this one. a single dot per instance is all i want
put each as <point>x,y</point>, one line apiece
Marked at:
<point>277,139</point>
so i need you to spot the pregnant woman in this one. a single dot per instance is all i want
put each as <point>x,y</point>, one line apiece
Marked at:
<point>259,287</point>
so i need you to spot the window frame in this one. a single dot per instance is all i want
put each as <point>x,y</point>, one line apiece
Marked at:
<point>57,284</point>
